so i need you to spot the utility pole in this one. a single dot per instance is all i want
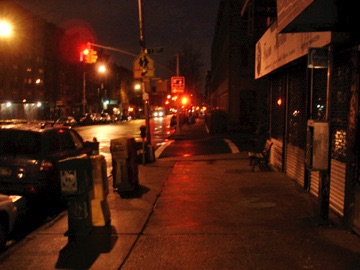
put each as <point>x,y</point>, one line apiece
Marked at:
<point>146,100</point>
<point>178,131</point>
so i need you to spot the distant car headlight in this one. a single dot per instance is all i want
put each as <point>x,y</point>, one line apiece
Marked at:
<point>155,114</point>
<point>161,114</point>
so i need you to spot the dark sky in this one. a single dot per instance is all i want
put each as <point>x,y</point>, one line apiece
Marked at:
<point>115,23</point>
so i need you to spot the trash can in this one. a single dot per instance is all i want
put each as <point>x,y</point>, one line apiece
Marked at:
<point>77,188</point>
<point>100,211</point>
<point>124,164</point>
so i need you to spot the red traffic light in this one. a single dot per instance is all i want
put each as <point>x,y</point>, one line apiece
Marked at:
<point>184,100</point>
<point>88,56</point>
<point>84,55</point>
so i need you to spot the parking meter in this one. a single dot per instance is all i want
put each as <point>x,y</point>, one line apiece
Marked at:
<point>143,135</point>
<point>143,132</point>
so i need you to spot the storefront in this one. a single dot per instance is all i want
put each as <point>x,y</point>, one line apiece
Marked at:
<point>299,92</point>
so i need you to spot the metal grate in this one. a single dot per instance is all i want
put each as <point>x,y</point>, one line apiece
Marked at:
<point>339,110</point>
<point>297,106</point>
<point>277,107</point>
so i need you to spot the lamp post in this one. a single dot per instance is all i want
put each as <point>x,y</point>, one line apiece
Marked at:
<point>101,69</point>
<point>146,100</point>
<point>5,29</point>
<point>84,93</point>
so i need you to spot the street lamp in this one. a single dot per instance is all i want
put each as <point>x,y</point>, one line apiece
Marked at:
<point>102,68</point>
<point>137,86</point>
<point>5,29</point>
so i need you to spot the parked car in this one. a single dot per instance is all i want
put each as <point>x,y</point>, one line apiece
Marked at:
<point>115,118</point>
<point>8,214</point>
<point>66,121</point>
<point>29,158</point>
<point>97,118</point>
<point>86,119</point>
<point>105,118</point>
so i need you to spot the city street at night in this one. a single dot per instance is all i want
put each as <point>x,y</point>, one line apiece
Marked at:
<point>197,212</point>
<point>179,135</point>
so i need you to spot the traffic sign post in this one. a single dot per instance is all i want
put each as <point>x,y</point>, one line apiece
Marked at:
<point>177,84</point>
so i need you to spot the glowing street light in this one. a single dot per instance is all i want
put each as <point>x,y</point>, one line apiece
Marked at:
<point>102,69</point>
<point>137,86</point>
<point>5,29</point>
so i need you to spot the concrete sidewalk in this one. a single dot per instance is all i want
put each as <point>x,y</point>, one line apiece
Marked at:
<point>201,212</point>
<point>214,213</point>
<point>198,212</point>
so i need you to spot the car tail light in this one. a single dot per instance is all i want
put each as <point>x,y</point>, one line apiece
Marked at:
<point>46,165</point>
<point>20,173</point>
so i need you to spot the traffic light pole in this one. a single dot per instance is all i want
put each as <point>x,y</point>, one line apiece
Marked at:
<point>111,48</point>
<point>84,93</point>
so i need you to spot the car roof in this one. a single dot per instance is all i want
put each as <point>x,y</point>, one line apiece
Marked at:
<point>34,126</point>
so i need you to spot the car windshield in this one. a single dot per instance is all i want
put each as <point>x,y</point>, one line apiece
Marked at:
<point>19,142</point>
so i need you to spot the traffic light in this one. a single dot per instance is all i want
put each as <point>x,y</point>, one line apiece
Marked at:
<point>88,56</point>
<point>184,100</point>
<point>84,55</point>
<point>93,56</point>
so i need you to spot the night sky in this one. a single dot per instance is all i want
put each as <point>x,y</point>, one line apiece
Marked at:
<point>167,24</point>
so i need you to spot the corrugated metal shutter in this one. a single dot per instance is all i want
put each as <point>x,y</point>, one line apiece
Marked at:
<point>339,112</point>
<point>295,163</point>
<point>337,186</point>
<point>277,121</point>
<point>314,183</point>
<point>296,122</point>
<point>276,154</point>
<point>319,85</point>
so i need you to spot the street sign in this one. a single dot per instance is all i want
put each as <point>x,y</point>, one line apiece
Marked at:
<point>155,50</point>
<point>143,66</point>
<point>318,58</point>
<point>177,84</point>
<point>162,86</point>
<point>145,96</point>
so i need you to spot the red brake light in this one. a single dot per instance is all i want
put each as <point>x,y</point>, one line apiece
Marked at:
<point>46,165</point>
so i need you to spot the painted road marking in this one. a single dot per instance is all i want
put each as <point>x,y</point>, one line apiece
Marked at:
<point>232,146</point>
<point>159,151</point>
